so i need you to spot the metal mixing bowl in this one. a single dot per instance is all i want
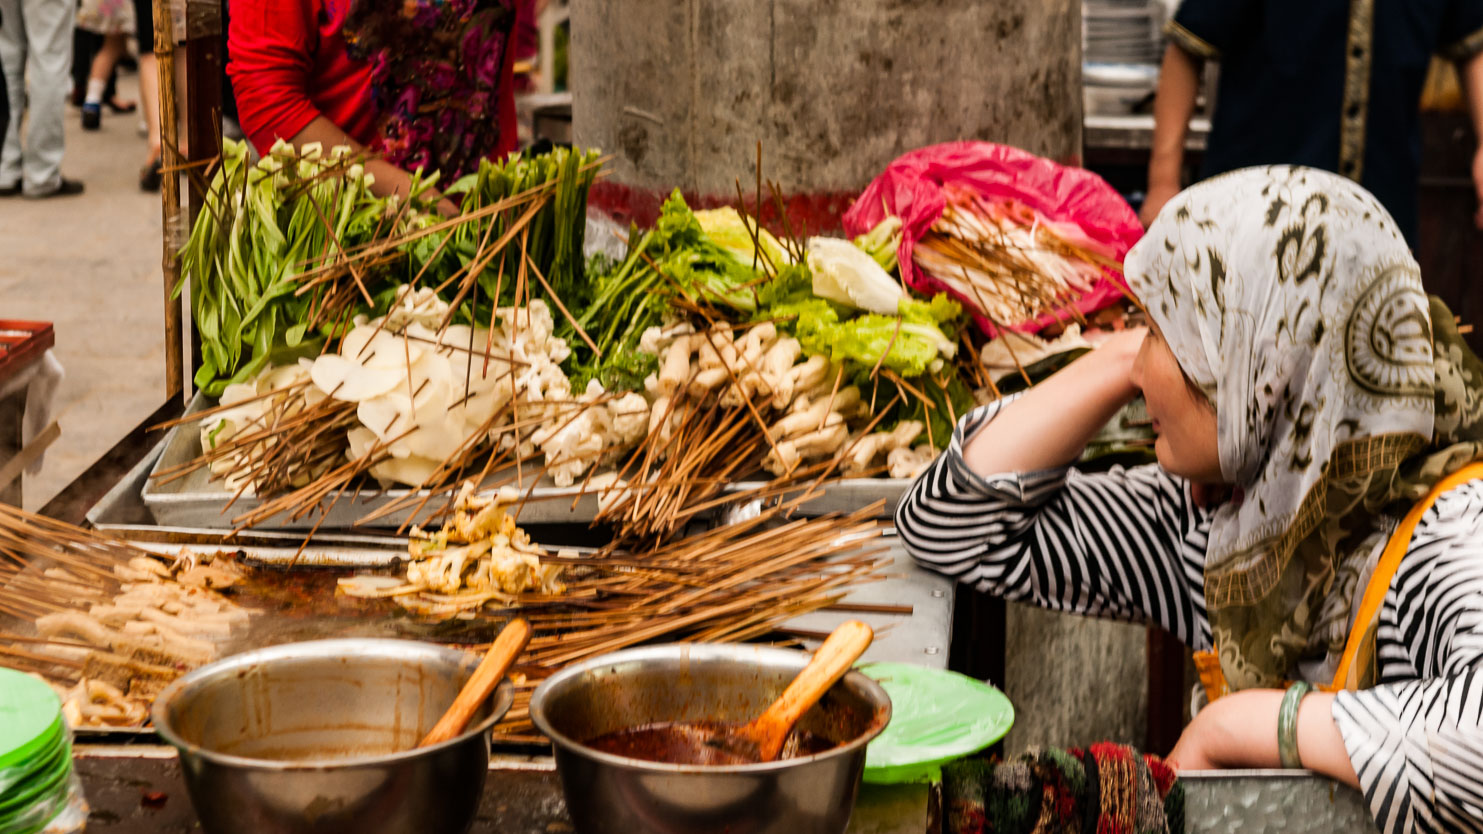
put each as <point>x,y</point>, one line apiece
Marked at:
<point>694,682</point>
<point>319,736</point>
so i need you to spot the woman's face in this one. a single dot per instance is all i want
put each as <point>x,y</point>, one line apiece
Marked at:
<point>1183,418</point>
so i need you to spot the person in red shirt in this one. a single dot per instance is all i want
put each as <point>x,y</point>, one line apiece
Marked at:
<point>377,79</point>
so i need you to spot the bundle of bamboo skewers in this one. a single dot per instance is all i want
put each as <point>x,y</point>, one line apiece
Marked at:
<point>1008,264</point>
<point>109,624</point>
<point>738,582</point>
<point>733,583</point>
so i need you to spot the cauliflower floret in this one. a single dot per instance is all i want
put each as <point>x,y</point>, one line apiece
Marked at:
<point>416,306</point>
<point>909,463</point>
<point>573,447</point>
<point>630,419</point>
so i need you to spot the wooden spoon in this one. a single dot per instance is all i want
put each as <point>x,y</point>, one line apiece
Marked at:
<point>497,661</point>
<point>768,731</point>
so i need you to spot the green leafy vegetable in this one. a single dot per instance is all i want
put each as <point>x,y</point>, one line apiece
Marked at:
<point>882,242</point>
<point>261,227</point>
<point>675,258</point>
<point>726,228</point>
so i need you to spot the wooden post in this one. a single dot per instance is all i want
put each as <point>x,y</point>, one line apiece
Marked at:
<point>1167,693</point>
<point>164,50</point>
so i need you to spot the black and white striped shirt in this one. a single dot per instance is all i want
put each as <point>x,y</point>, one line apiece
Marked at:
<point>1130,545</point>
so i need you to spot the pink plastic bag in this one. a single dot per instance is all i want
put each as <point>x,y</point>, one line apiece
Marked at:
<point>912,188</point>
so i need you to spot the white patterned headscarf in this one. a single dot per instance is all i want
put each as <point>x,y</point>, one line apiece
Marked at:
<point>1290,298</point>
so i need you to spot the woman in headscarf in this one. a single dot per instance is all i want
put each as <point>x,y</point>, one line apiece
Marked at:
<point>1314,516</point>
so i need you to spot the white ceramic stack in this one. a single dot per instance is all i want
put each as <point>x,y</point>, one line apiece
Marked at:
<point>1122,43</point>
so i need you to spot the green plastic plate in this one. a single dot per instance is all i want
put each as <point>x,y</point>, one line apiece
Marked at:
<point>37,787</point>
<point>31,723</point>
<point>936,717</point>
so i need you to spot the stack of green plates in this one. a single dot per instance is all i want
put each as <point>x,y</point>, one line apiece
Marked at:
<point>936,716</point>
<point>35,754</point>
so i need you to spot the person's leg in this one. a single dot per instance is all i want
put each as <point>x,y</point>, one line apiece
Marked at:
<point>103,63</point>
<point>149,86</point>
<point>13,60</point>
<point>49,44</point>
<point>110,89</point>
<point>85,45</point>
<point>4,103</point>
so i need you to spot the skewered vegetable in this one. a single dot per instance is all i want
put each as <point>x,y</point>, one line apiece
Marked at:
<point>477,557</point>
<point>882,242</point>
<point>262,226</point>
<point>1008,263</point>
<point>675,258</point>
<point>846,274</point>
<point>550,240</point>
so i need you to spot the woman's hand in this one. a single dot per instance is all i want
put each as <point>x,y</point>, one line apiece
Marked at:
<point>1240,731</point>
<point>1478,185</point>
<point>1049,425</point>
<point>1154,199</point>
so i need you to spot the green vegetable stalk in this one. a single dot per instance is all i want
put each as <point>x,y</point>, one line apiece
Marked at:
<point>552,240</point>
<point>676,257</point>
<point>261,227</point>
<point>882,242</point>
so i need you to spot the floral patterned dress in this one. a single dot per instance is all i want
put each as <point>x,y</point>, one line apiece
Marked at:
<point>437,99</point>
<point>106,17</point>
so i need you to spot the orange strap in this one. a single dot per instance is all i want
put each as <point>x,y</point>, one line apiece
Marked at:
<point>1390,561</point>
<point>1208,662</point>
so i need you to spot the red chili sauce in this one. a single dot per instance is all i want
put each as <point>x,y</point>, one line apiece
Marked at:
<point>699,743</point>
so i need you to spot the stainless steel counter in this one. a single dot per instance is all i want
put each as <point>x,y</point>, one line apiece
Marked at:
<point>137,789</point>
<point>1135,133</point>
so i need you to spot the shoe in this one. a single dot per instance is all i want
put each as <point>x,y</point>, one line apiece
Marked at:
<point>10,190</point>
<point>68,188</point>
<point>92,116</point>
<point>150,177</point>
<point>114,105</point>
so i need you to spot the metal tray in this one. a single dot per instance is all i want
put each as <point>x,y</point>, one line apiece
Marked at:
<point>921,637</point>
<point>197,502</point>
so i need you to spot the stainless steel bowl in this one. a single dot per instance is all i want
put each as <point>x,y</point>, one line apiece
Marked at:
<point>692,682</point>
<point>319,736</point>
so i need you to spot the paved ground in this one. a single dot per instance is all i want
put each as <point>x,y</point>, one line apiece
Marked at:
<point>91,265</point>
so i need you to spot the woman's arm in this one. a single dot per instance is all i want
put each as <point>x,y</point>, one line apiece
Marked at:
<point>389,179</point>
<point>270,44</point>
<point>1413,746</point>
<point>1471,72</point>
<point>1173,105</point>
<point>1127,544</point>
<point>1240,731</point>
<point>1049,425</point>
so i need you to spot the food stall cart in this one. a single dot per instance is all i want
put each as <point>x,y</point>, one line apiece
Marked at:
<point>134,783</point>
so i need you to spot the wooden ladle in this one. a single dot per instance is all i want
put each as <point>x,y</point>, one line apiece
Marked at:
<point>497,661</point>
<point>761,739</point>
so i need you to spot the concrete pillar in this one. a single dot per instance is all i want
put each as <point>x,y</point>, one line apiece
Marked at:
<point>681,91</point>
<point>1074,680</point>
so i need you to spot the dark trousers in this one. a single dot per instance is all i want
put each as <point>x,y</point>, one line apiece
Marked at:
<point>4,103</point>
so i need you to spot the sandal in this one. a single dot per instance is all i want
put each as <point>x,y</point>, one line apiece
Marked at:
<point>151,177</point>
<point>114,105</point>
